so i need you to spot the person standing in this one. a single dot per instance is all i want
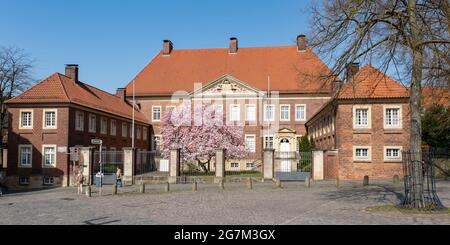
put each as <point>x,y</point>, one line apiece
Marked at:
<point>119,177</point>
<point>79,179</point>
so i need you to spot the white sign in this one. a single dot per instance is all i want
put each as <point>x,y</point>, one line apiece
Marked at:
<point>96,142</point>
<point>62,149</point>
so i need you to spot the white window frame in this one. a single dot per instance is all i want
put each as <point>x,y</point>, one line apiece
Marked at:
<point>393,159</point>
<point>104,130</point>
<point>362,159</point>
<point>266,119</point>
<point>124,135</point>
<point>43,156</point>
<point>153,113</point>
<point>26,182</point>
<point>253,149</point>
<point>369,116</point>
<point>138,132</point>
<point>235,118</point>
<point>113,130</point>
<point>44,119</point>
<point>48,178</point>
<point>253,117</point>
<point>265,141</point>
<point>30,165</point>
<point>400,123</point>
<point>233,167</point>
<point>304,112</point>
<point>92,123</point>
<point>289,113</point>
<point>252,165</point>
<point>79,121</point>
<point>154,143</point>
<point>21,119</point>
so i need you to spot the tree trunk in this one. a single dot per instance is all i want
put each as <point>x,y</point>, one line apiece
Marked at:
<point>416,198</point>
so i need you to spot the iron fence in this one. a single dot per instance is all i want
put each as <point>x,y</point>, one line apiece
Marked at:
<point>145,162</point>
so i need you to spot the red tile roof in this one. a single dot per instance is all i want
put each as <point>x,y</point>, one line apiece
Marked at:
<point>60,89</point>
<point>289,70</point>
<point>435,95</point>
<point>370,83</point>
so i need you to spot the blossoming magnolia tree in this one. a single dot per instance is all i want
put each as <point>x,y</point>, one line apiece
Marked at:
<point>199,133</point>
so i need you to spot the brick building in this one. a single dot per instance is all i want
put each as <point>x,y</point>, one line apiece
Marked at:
<point>243,81</point>
<point>59,113</point>
<point>364,128</point>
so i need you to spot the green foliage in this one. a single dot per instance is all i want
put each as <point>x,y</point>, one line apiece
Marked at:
<point>436,126</point>
<point>305,145</point>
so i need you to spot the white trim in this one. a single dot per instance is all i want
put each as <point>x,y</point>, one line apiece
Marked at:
<point>265,119</point>
<point>81,129</point>
<point>369,117</point>
<point>232,119</point>
<point>111,131</point>
<point>31,120</point>
<point>254,114</point>
<point>126,130</point>
<point>43,156</point>
<point>304,113</point>
<point>19,163</point>
<point>44,119</point>
<point>101,126</point>
<point>253,150</point>
<point>400,121</point>
<point>289,113</point>
<point>362,159</point>
<point>48,178</point>
<point>95,122</point>
<point>153,113</point>
<point>392,159</point>
<point>273,140</point>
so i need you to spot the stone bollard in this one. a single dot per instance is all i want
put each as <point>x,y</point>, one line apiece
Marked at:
<point>88,191</point>
<point>250,183</point>
<point>366,181</point>
<point>279,184</point>
<point>142,188</point>
<point>396,180</point>
<point>114,190</point>
<point>194,186</point>
<point>167,187</point>
<point>308,182</point>
<point>338,182</point>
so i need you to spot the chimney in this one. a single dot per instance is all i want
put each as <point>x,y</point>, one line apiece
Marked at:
<point>121,93</point>
<point>352,69</point>
<point>167,47</point>
<point>72,72</point>
<point>233,45</point>
<point>337,84</point>
<point>302,43</point>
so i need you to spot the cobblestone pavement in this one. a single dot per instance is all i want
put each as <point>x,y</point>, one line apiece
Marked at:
<point>265,204</point>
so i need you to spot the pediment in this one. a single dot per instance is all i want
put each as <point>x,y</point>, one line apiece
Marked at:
<point>228,85</point>
<point>287,130</point>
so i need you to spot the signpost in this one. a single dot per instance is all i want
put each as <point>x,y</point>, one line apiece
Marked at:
<point>99,142</point>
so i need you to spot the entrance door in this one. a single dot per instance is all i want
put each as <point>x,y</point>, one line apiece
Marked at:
<point>285,148</point>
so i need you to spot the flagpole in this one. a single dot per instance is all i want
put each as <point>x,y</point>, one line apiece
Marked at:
<point>133,129</point>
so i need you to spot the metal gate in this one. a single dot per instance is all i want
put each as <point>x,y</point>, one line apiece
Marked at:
<point>145,162</point>
<point>293,166</point>
<point>111,161</point>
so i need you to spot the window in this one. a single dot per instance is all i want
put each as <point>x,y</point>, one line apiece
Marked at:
<point>268,142</point>
<point>49,181</point>
<point>156,113</point>
<point>392,153</point>
<point>26,119</point>
<point>25,155</point>
<point>362,153</point>
<point>235,165</point>
<point>300,112</point>
<point>113,128</point>
<point>250,113</point>
<point>269,113</point>
<point>250,165</point>
<point>92,123</point>
<point>250,143</point>
<point>138,132</point>
<point>79,121</point>
<point>49,119</point>
<point>285,111</point>
<point>235,113</point>
<point>392,117</point>
<point>361,115</point>
<point>145,133</point>
<point>24,180</point>
<point>104,126</point>
<point>124,130</point>
<point>49,156</point>
<point>157,142</point>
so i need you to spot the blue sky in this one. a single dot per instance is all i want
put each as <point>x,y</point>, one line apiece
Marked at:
<point>112,40</point>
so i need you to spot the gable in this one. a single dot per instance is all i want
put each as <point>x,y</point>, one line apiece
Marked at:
<point>228,86</point>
